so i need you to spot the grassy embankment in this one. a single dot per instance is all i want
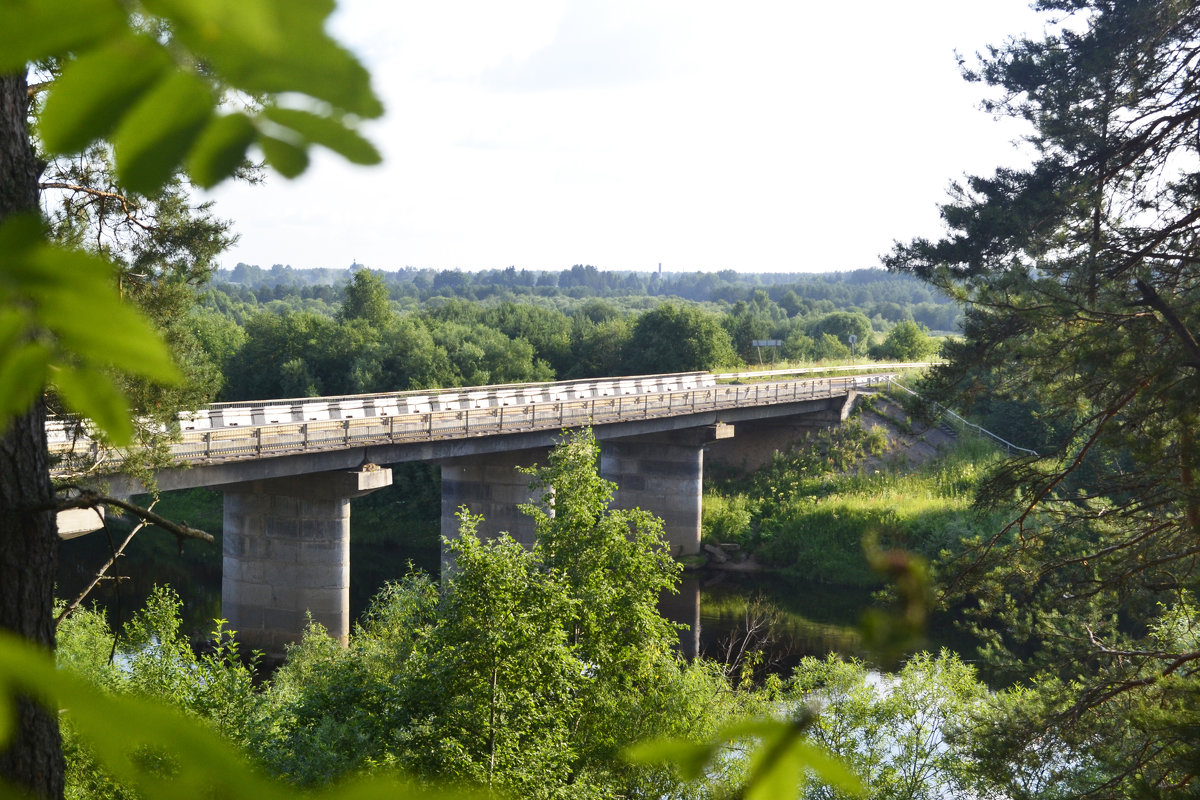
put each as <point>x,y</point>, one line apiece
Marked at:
<point>806,514</point>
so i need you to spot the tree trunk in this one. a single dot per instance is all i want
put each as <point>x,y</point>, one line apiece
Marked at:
<point>28,539</point>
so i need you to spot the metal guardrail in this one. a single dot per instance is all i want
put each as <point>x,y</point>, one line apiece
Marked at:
<point>258,441</point>
<point>962,423</point>
<point>724,376</point>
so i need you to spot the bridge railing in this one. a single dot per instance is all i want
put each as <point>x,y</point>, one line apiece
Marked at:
<point>256,441</point>
<point>775,373</point>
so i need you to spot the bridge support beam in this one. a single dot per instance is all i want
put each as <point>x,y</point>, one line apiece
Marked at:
<point>663,473</point>
<point>490,485</point>
<point>286,554</point>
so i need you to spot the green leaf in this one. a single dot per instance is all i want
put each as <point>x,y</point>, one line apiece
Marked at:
<point>779,764</point>
<point>32,30</point>
<point>286,157</point>
<point>155,136</point>
<point>93,395</point>
<point>19,234</point>
<point>220,149</point>
<point>12,326</point>
<point>273,46</point>
<point>689,758</point>
<point>116,728</point>
<point>22,374</point>
<point>326,131</point>
<point>90,319</point>
<point>829,768</point>
<point>94,92</point>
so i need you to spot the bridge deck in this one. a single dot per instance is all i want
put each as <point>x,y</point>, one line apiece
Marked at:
<point>249,442</point>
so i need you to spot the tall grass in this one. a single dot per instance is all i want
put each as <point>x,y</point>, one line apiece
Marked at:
<point>808,511</point>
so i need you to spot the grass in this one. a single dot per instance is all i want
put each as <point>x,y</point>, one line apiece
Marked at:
<point>808,512</point>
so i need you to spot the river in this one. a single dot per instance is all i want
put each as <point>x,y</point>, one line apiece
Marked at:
<point>786,620</point>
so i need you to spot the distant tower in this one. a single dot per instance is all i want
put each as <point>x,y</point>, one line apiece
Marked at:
<point>660,269</point>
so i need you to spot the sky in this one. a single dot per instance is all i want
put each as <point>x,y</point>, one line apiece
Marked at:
<point>763,136</point>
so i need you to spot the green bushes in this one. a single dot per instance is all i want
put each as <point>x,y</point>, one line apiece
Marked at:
<point>808,511</point>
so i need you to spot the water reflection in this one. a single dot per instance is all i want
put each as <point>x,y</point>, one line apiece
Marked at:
<point>732,615</point>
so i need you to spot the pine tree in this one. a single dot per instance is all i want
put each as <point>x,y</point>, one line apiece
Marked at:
<point>1081,276</point>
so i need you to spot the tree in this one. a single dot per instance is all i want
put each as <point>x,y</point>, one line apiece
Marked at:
<point>154,96</point>
<point>367,299</point>
<point>504,681</point>
<point>908,341</point>
<point>677,338</point>
<point>895,731</point>
<point>745,324</point>
<point>530,671</point>
<point>842,325</point>
<point>614,566</point>
<point>1082,275</point>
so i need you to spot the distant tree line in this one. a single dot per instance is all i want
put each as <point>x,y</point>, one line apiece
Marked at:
<point>874,292</point>
<point>367,334</point>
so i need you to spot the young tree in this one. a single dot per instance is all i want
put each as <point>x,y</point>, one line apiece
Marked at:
<point>503,681</point>
<point>908,341</point>
<point>1082,275</point>
<point>615,567</point>
<point>367,299</point>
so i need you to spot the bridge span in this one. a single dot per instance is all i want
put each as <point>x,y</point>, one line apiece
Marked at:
<point>288,469</point>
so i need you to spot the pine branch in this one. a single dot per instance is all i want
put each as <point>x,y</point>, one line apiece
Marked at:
<point>1155,301</point>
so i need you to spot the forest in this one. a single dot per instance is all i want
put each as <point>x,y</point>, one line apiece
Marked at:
<point>486,328</point>
<point>1064,299</point>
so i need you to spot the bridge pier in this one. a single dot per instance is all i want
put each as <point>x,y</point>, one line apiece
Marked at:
<point>490,485</point>
<point>286,554</point>
<point>663,473</point>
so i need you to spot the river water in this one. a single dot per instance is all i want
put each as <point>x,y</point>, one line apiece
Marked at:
<point>726,613</point>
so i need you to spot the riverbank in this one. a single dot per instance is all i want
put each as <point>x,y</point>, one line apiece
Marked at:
<point>879,476</point>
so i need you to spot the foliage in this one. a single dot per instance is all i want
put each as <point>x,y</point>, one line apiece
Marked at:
<point>152,659</point>
<point>159,82</point>
<point>676,338</point>
<point>163,246</point>
<point>477,328</point>
<point>156,751</point>
<point>894,731</point>
<point>778,767</point>
<point>614,565</point>
<point>908,341</point>
<point>329,711</point>
<point>808,511</point>
<point>528,672</point>
<point>841,325</point>
<point>1082,283</point>
<point>367,299</point>
<point>63,320</point>
<point>482,720</point>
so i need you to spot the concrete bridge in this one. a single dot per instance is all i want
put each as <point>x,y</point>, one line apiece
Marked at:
<point>288,469</point>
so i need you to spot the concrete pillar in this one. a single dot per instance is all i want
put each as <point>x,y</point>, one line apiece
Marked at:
<point>491,485</point>
<point>286,554</point>
<point>663,473</point>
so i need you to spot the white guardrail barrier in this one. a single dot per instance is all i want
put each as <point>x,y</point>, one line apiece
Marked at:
<point>247,430</point>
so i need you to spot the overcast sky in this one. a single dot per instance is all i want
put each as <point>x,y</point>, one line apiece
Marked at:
<point>756,136</point>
